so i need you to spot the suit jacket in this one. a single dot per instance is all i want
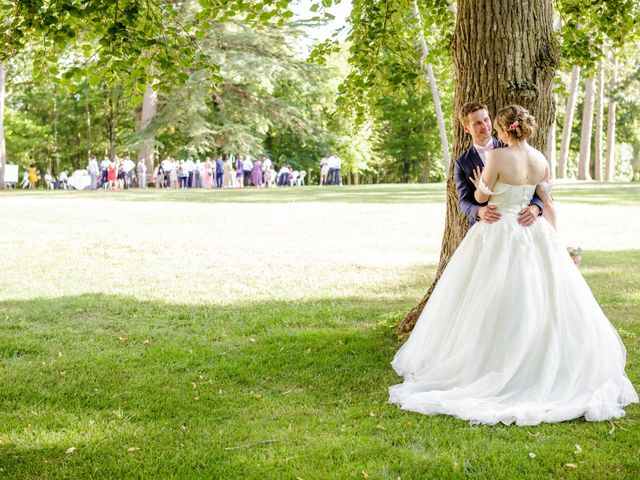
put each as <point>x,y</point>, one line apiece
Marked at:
<point>463,171</point>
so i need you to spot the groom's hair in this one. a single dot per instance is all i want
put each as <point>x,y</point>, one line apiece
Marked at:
<point>470,107</point>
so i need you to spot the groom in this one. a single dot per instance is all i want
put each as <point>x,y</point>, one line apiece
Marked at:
<point>477,123</point>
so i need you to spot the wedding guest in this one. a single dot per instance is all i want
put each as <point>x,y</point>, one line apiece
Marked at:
<point>128,167</point>
<point>94,170</point>
<point>173,175</point>
<point>266,163</point>
<point>219,172</point>
<point>121,176</point>
<point>256,174</point>
<point>159,176</point>
<point>183,175</point>
<point>33,176</point>
<point>64,179</point>
<point>247,171</point>
<point>111,176</point>
<point>142,173</point>
<point>104,172</point>
<point>49,180</point>
<point>189,167</point>
<point>239,172</point>
<point>228,174</point>
<point>324,170</point>
<point>25,179</point>
<point>270,177</point>
<point>209,171</point>
<point>283,176</point>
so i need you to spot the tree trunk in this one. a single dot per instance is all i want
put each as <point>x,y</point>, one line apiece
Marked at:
<point>597,157</point>
<point>504,52</point>
<point>149,109</point>
<point>428,69</point>
<point>609,168</point>
<point>551,145</point>
<point>568,122</point>
<point>3,149</point>
<point>585,137</point>
<point>87,111</point>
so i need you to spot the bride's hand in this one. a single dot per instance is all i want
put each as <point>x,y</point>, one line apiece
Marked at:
<point>477,173</point>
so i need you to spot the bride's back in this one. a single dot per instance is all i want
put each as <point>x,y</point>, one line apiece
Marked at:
<point>520,165</point>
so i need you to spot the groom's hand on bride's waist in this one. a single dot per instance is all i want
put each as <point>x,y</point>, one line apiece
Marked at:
<point>528,215</point>
<point>488,214</point>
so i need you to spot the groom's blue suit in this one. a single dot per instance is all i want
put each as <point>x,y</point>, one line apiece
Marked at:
<point>463,172</point>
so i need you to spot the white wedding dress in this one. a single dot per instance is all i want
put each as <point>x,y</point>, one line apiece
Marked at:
<point>512,333</point>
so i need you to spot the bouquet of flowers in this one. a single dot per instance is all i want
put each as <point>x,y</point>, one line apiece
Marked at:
<point>576,255</point>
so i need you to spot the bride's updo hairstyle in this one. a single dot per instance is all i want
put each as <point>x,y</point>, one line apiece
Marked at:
<point>517,122</point>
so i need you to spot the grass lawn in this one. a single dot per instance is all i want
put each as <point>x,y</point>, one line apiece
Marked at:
<point>249,334</point>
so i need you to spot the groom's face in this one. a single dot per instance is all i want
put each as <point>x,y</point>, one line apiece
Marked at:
<point>478,125</point>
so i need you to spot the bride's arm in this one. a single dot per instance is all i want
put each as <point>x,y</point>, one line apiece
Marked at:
<point>543,191</point>
<point>489,177</point>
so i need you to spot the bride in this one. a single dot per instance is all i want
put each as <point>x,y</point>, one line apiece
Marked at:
<point>511,332</point>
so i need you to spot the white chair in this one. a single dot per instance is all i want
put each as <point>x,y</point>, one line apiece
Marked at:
<point>300,179</point>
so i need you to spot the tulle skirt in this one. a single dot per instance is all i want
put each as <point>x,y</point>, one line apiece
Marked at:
<point>513,334</point>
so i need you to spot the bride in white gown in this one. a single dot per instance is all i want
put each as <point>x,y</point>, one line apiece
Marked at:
<point>512,333</point>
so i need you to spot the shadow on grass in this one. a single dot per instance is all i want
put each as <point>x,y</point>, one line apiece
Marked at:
<point>617,194</point>
<point>260,390</point>
<point>387,193</point>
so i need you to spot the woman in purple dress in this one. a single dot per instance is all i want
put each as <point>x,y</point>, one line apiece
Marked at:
<point>256,174</point>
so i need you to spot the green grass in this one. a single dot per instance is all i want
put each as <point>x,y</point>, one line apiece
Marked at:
<point>574,192</point>
<point>288,388</point>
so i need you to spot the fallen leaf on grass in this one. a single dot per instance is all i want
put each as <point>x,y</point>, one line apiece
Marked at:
<point>122,339</point>
<point>194,385</point>
<point>132,449</point>
<point>146,342</point>
<point>71,450</point>
<point>532,455</point>
<point>380,427</point>
<point>251,339</point>
<point>578,449</point>
<point>365,474</point>
<point>293,390</point>
<point>571,465</point>
<point>372,414</point>
<point>63,373</point>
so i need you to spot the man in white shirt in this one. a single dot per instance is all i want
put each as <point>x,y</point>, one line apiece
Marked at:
<point>247,168</point>
<point>104,172</point>
<point>129,169</point>
<point>93,170</point>
<point>190,167</point>
<point>141,171</point>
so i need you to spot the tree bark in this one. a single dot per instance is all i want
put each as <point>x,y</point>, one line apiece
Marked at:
<point>585,137</point>
<point>609,168</point>
<point>504,53</point>
<point>3,149</point>
<point>428,69</point>
<point>87,111</point>
<point>551,145</point>
<point>568,122</point>
<point>597,154</point>
<point>149,109</point>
